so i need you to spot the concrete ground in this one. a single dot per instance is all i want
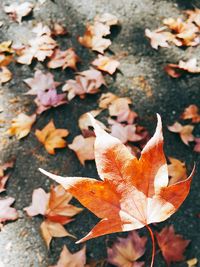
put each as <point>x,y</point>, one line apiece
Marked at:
<point>20,241</point>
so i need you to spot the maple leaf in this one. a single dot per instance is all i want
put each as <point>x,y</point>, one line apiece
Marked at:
<point>83,147</point>
<point>4,175</point>
<point>77,259</point>
<point>5,75</point>
<point>132,193</point>
<point>58,207</point>
<point>18,11</point>
<point>40,47</point>
<point>106,64</point>
<point>6,212</point>
<point>41,82</point>
<point>52,229</point>
<point>39,203</point>
<point>197,145</point>
<point>158,38</point>
<point>51,137</point>
<point>185,132</point>
<point>64,59</point>
<point>119,108</point>
<point>93,36</point>
<point>126,251</point>
<point>191,113</point>
<point>21,125</point>
<point>177,170</point>
<point>86,82</point>
<point>49,99</point>
<point>175,71</point>
<point>171,245</point>
<point>124,133</point>
<point>54,205</point>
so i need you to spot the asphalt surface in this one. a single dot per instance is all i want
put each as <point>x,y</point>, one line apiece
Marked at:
<point>20,242</point>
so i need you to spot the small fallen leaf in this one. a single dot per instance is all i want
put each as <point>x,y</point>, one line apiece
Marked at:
<point>5,75</point>
<point>185,132</point>
<point>18,11</point>
<point>4,174</point>
<point>54,206</point>
<point>21,125</point>
<point>48,99</point>
<point>67,259</point>
<point>83,147</point>
<point>106,64</point>
<point>52,229</point>
<point>86,82</point>
<point>192,262</point>
<point>126,251</point>
<point>58,208</point>
<point>177,170</point>
<point>39,203</point>
<point>6,212</point>
<point>158,38</point>
<point>64,59</point>
<point>175,71</point>
<point>51,137</point>
<point>41,82</point>
<point>131,193</point>
<point>94,35</point>
<point>191,113</point>
<point>172,245</point>
<point>120,108</point>
<point>124,133</point>
<point>40,47</point>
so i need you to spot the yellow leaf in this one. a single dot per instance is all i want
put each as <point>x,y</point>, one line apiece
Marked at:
<point>51,137</point>
<point>21,125</point>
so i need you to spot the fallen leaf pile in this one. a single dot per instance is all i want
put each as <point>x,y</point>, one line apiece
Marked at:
<point>182,32</point>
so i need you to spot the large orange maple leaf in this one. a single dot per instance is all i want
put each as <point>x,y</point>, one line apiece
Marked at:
<point>133,192</point>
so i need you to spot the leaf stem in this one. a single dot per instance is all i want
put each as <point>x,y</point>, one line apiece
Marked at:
<point>153,244</point>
